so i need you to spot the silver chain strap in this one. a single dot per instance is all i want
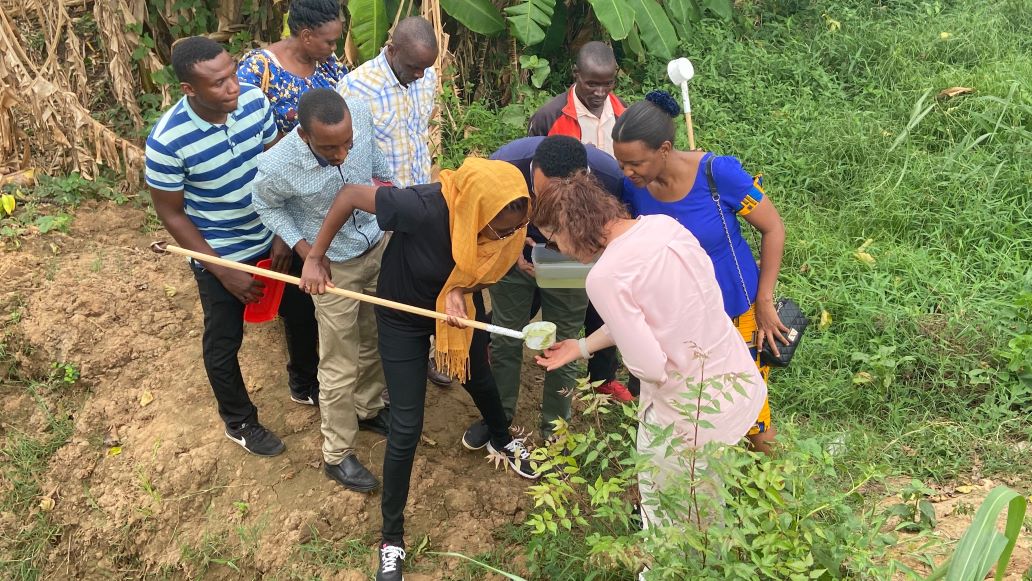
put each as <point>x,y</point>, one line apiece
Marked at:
<point>716,200</point>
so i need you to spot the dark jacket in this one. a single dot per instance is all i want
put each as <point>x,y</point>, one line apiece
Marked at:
<point>559,116</point>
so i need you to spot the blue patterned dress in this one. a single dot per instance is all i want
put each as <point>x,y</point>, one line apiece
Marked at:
<point>283,88</point>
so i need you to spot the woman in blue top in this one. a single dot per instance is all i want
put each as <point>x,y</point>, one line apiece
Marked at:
<point>304,60</point>
<point>662,180</point>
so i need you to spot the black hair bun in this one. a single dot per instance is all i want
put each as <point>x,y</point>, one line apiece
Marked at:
<point>311,14</point>
<point>664,101</point>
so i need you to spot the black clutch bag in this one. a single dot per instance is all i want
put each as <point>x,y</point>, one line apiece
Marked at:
<point>792,317</point>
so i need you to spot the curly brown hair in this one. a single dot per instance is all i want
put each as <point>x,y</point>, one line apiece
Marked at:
<point>580,208</point>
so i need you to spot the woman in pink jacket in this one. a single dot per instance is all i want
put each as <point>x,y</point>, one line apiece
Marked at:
<point>655,288</point>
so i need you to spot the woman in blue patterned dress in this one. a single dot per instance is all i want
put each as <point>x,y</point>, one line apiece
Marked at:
<point>302,61</point>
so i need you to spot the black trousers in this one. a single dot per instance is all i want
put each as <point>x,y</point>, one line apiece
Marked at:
<point>602,365</point>
<point>224,333</point>
<point>404,354</point>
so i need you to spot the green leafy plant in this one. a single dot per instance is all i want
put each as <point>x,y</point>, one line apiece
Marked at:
<point>656,31</point>
<point>529,20</point>
<point>916,513</point>
<point>480,16</point>
<point>1017,356</point>
<point>883,363</point>
<point>538,67</point>
<point>615,15</point>
<point>784,516</point>
<point>66,373</point>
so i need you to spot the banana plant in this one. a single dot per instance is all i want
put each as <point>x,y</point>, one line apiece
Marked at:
<point>657,33</point>
<point>369,24</point>
<point>616,16</point>
<point>529,20</point>
<point>653,27</point>
<point>480,16</point>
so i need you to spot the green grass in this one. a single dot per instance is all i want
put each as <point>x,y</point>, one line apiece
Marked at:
<point>24,458</point>
<point>819,111</point>
<point>341,555</point>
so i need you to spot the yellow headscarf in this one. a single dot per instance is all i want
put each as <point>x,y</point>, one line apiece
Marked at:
<point>475,194</point>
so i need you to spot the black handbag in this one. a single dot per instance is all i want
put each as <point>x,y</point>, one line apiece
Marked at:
<point>788,310</point>
<point>792,317</point>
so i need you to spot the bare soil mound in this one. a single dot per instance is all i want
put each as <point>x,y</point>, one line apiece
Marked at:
<point>148,484</point>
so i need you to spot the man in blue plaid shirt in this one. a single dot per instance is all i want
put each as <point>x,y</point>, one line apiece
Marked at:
<point>400,87</point>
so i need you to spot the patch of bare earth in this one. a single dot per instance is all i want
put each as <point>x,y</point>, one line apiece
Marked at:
<point>149,485</point>
<point>955,507</point>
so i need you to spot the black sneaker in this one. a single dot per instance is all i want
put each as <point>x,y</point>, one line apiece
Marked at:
<point>392,561</point>
<point>305,397</point>
<point>477,436</point>
<point>517,456</point>
<point>380,423</point>
<point>256,439</point>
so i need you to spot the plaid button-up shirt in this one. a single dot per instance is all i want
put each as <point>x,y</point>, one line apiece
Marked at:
<point>401,116</point>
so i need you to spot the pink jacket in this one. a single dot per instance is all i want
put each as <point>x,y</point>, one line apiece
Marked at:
<point>654,287</point>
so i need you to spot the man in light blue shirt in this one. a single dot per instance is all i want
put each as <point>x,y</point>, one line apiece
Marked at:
<point>200,165</point>
<point>297,182</point>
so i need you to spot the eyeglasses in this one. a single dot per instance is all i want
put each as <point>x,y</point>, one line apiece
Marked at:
<point>510,234</point>
<point>551,244</point>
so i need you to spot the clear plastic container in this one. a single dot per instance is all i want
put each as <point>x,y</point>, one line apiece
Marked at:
<point>556,270</point>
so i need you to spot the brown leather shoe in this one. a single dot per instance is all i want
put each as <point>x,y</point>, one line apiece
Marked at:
<point>437,377</point>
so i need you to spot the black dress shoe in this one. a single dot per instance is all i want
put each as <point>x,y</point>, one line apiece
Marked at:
<point>380,423</point>
<point>351,474</point>
<point>436,376</point>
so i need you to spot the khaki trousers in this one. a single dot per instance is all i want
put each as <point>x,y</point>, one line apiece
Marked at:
<point>350,373</point>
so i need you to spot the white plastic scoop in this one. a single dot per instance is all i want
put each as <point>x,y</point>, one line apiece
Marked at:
<point>680,72</point>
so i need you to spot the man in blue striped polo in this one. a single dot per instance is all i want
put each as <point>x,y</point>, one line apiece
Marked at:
<point>201,162</point>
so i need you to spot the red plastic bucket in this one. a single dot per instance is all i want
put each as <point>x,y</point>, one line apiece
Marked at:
<point>266,308</point>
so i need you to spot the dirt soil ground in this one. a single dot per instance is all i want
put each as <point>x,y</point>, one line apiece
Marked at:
<point>148,486</point>
<point>175,496</point>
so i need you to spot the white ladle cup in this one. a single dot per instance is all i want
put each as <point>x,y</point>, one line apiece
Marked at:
<point>539,335</point>
<point>680,72</point>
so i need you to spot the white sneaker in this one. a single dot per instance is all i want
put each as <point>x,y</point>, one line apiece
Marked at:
<point>517,456</point>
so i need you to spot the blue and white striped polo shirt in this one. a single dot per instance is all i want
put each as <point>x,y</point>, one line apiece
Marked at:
<point>214,166</point>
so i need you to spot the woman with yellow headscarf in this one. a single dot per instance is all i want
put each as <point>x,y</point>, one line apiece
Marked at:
<point>451,239</point>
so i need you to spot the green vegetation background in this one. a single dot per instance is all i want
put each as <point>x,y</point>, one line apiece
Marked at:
<point>909,224</point>
<point>925,363</point>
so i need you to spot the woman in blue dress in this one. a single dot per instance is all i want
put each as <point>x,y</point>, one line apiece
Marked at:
<point>302,61</point>
<point>659,179</point>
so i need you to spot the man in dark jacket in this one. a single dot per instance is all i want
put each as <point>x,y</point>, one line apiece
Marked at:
<point>588,112</point>
<point>589,109</point>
